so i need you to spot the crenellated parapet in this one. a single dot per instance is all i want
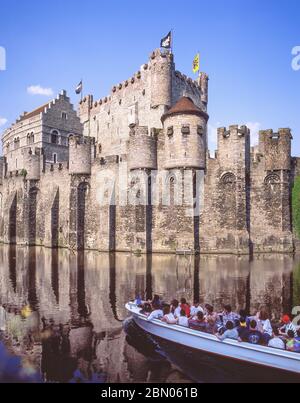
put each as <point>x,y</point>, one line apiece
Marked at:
<point>233,145</point>
<point>142,148</point>
<point>276,149</point>
<point>32,163</point>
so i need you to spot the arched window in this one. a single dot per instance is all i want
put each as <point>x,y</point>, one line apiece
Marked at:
<point>54,137</point>
<point>16,143</point>
<point>228,179</point>
<point>272,179</point>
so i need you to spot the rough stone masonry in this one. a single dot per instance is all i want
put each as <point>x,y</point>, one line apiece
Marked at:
<point>132,172</point>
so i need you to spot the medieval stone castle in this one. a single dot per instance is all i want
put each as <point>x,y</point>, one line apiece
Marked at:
<point>132,172</point>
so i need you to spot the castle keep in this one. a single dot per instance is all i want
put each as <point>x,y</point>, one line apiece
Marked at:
<point>132,172</point>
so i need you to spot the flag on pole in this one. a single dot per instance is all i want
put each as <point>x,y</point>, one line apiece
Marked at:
<point>79,88</point>
<point>196,63</point>
<point>166,42</point>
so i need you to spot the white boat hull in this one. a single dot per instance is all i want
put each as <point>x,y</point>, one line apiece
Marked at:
<point>246,352</point>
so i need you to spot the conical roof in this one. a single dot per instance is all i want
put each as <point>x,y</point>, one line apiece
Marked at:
<point>184,106</point>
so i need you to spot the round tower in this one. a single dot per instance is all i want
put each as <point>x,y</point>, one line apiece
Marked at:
<point>80,155</point>
<point>142,149</point>
<point>161,66</point>
<point>31,164</point>
<point>185,128</point>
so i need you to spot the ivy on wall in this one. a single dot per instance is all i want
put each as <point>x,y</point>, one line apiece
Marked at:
<point>296,206</point>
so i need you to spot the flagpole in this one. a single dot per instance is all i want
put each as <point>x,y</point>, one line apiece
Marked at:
<point>81,89</point>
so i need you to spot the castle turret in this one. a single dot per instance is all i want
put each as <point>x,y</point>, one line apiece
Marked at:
<point>234,147</point>
<point>185,127</point>
<point>142,149</point>
<point>276,148</point>
<point>161,65</point>
<point>84,112</point>
<point>31,163</point>
<point>80,155</point>
<point>203,82</point>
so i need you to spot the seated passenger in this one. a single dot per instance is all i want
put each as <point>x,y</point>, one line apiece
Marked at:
<point>264,325</point>
<point>168,316</point>
<point>242,327</point>
<point>185,306</point>
<point>156,301</point>
<point>146,308</point>
<point>230,332</point>
<point>175,308</point>
<point>290,341</point>
<point>297,342</point>
<point>253,335</point>
<point>245,317</point>
<point>198,323</point>
<point>211,318</point>
<point>226,316</point>
<point>183,320</point>
<point>157,313</point>
<point>195,309</point>
<point>287,325</point>
<point>138,301</point>
<point>276,341</point>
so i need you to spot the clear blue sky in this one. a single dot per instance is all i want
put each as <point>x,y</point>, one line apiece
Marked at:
<point>245,48</point>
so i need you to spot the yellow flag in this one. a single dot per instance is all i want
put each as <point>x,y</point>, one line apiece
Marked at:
<point>196,63</point>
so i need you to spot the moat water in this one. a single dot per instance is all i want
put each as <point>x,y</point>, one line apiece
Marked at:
<point>63,315</point>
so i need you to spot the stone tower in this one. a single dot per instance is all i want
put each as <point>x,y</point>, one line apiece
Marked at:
<point>185,135</point>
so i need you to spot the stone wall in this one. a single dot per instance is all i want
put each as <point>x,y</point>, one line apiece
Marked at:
<point>141,179</point>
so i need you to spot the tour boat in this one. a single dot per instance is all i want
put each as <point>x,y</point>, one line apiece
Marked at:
<point>231,349</point>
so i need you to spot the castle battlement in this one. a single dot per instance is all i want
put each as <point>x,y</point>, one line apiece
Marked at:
<point>143,149</point>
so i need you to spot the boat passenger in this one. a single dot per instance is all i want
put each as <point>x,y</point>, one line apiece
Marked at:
<point>242,327</point>
<point>230,332</point>
<point>198,323</point>
<point>185,306</point>
<point>156,301</point>
<point>253,335</point>
<point>146,308</point>
<point>157,312</point>
<point>290,340</point>
<point>138,301</point>
<point>226,316</point>
<point>297,342</point>
<point>195,309</point>
<point>175,308</point>
<point>183,320</point>
<point>264,325</point>
<point>211,318</point>
<point>287,325</point>
<point>276,341</point>
<point>168,317</point>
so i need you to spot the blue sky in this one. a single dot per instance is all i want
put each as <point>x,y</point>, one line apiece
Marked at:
<point>245,48</point>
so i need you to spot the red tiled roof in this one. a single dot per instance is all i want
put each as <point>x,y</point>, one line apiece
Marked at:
<point>33,113</point>
<point>184,106</point>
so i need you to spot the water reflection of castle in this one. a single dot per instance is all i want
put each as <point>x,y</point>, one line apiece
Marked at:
<point>87,292</point>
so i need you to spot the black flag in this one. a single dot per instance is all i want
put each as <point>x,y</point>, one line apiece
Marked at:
<point>79,88</point>
<point>166,42</point>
